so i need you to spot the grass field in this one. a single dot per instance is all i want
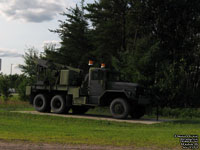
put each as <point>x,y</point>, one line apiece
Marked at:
<point>51,129</point>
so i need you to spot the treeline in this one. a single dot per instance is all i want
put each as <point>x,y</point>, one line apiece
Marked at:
<point>152,42</point>
<point>10,84</point>
<point>16,83</point>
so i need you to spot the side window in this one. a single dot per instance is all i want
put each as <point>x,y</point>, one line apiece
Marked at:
<point>97,75</point>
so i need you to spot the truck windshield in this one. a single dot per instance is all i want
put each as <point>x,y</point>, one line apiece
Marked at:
<point>114,76</point>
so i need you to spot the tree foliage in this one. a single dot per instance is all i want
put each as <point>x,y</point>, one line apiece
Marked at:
<point>109,20</point>
<point>14,83</point>
<point>153,42</point>
<point>4,86</point>
<point>75,44</point>
<point>21,88</point>
<point>30,68</point>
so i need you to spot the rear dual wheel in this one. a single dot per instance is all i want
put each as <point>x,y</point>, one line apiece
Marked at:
<point>58,104</point>
<point>41,103</point>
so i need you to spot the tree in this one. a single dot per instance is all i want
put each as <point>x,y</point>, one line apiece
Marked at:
<point>4,86</point>
<point>51,53</point>
<point>30,67</point>
<point>14,80</point>
<point>109,20</point>
<point>172,24</point>
<point>21,88</point>
<point>153,42</point>
<point>75,44</point>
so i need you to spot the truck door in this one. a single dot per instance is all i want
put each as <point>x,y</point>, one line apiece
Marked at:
<point>96,85</point>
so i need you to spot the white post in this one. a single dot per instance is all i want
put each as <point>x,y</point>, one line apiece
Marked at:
<point>11,69</point>
<point>0,64</point>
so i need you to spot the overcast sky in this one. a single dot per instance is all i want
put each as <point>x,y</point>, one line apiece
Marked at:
<point>25,24</point>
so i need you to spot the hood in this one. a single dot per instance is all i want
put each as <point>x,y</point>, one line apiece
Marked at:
<point>123,86</point>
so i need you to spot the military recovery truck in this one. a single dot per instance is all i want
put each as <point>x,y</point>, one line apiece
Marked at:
<point>61,88</point>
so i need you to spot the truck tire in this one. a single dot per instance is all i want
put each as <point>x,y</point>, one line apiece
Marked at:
<point>40,103</point>
<point>137,112</point>
<point>58,104</point>
<point>119,108</point>
<point>79,109</point>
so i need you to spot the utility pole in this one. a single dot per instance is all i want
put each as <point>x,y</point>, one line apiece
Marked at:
<point>11,69</point>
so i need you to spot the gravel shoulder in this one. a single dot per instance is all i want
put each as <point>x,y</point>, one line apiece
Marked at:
<point>97,117</point>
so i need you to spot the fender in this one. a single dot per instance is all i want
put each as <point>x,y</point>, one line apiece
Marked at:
<point>107,96</point>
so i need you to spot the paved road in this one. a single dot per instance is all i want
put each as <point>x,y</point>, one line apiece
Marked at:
<point>96,117</point>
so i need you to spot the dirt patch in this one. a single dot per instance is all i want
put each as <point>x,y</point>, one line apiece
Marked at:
<point>20,145</point>
<point>14,145</point>
<point>97,117</point>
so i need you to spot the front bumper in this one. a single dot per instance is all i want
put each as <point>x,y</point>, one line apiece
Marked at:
<point>143,100</point>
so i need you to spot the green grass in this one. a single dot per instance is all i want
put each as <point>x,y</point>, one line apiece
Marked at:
<point>99,111</point>
<point>14,104</point>
<point>51,129</point>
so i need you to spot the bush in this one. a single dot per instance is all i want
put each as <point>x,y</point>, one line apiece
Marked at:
<point>22,89</point>
<point>4,86</point>
<point>178,112</point>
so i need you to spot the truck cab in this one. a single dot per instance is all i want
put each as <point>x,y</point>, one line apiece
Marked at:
<point>104,86</point>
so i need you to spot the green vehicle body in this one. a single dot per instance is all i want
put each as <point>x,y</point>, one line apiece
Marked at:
<point>100,87</point>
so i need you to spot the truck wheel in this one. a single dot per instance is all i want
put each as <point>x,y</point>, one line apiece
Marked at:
<point>119,108</point>
<point>79,109</point>
<point>138,112</point>
<point>58,104</point>
<point>41,103</point>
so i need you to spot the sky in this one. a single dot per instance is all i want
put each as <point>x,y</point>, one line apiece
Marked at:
<point>25,24</point>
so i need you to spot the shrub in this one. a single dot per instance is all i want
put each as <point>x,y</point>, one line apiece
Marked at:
<point>22,89</point>
<point>4,86</point>
<point>179,112</point>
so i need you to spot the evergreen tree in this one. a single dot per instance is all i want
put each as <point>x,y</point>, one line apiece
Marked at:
<point>160,48</point>
<point>74,33</point>
<point>109,20</point>
<point>153,42</point>
<point>172,24</point>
